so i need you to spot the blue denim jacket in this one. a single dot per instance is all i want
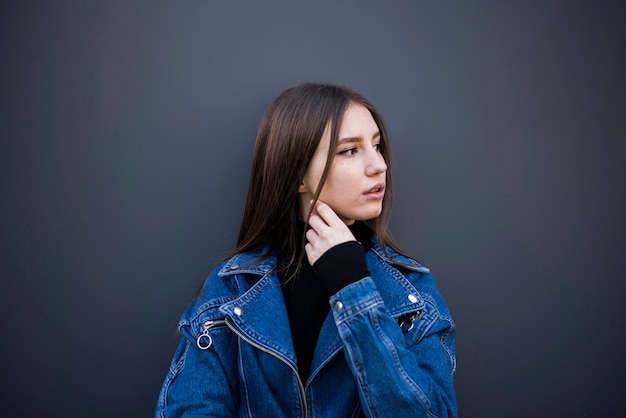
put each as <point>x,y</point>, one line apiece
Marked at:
<point>386,348</point>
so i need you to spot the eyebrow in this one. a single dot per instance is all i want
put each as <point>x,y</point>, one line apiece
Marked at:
<point>355,138</point>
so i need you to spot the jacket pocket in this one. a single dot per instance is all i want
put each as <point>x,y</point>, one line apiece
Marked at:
<point>431,321</point>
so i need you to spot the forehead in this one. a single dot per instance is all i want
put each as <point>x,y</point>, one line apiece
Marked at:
<point>357,122</point>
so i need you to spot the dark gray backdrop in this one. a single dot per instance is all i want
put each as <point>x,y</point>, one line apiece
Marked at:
<point>127,132</point>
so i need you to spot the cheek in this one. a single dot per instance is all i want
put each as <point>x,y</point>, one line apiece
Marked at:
<point>312,177</point>
<point>339,175</point>
<point>339,192</point>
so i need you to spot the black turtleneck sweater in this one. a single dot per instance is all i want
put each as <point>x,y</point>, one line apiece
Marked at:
<point>307,294</point>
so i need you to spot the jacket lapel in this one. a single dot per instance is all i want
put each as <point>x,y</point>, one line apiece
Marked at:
<point>259,313</point>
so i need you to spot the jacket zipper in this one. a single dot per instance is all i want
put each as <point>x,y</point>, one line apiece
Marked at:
<point>204,340</point>
<point>254,344</point>
<point>356,410</point>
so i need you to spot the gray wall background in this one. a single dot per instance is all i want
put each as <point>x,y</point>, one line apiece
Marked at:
<point>126,136</point>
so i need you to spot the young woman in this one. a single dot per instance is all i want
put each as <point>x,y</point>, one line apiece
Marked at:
<point>316,313</point>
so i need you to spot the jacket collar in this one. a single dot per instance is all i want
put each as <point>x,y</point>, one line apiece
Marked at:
<point>257,263</point>
<point>260,263</point>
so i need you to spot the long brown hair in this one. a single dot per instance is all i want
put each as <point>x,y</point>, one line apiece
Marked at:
<point>288,135</point>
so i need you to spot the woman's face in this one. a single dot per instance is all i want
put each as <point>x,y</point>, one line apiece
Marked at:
<point>355,185</point>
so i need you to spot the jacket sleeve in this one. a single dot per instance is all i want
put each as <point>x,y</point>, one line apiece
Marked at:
<point>197,384</point>
<point>412,371</point>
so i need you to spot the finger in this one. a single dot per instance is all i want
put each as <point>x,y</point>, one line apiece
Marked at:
<point>311,236</point>
<point>317,223</point>
<point>312,249</point>
<point>327,214</point>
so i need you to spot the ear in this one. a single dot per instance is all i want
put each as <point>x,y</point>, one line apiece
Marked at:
<point>302,188</point>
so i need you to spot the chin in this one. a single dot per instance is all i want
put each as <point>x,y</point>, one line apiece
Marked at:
<point>367,216</point>
<point>360,215</point>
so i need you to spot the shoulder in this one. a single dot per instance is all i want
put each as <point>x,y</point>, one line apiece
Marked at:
<point>389,257</point>
<point>224,283</point>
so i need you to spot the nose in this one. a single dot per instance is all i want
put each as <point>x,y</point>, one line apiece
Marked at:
<point>376,164</point>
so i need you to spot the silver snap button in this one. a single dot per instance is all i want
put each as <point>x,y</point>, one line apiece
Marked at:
<point>412,298</point>
<point>233,266</point>
<point>238,311</point>
<point>338,306</point>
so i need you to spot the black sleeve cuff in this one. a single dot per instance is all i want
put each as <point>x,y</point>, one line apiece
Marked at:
<point>340,266</point>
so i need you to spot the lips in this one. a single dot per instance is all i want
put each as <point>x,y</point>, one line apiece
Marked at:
<point>377,191</point>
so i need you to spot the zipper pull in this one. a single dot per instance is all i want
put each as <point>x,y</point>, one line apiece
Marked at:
<point>204,341</point>
<point>407,322</point>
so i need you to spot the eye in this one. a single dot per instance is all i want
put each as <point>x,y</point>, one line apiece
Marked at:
<point>378,147</point>
<point>349,151</point>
